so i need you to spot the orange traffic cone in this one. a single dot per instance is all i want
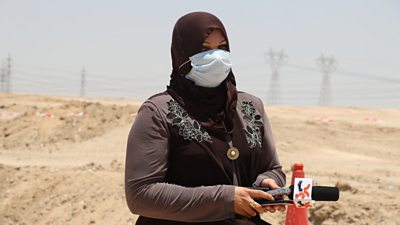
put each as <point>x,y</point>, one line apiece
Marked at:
<point>296,216</point>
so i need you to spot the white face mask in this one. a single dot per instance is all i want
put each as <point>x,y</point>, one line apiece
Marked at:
<point>210,68</point>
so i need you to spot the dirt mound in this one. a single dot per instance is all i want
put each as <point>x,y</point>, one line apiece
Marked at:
<point>73,121</point>
<point>43,195</point>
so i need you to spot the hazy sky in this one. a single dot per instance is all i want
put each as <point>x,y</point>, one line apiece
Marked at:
<point>125,46</point>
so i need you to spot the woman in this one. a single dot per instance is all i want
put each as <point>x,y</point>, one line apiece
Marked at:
<point>195,149</point>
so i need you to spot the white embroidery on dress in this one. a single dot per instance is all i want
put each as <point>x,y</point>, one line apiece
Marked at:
<point>253,131</point>
<point>187,130</point>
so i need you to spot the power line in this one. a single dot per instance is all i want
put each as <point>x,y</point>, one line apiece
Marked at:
<point>34,81</point>
<point>21,73</point>
<point>349,73</point>
<point>368,76</point>
<point>52,80</point>
<point>45,69</point>
<point>302,67</point>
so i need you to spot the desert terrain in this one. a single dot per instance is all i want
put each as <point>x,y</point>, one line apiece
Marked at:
<point>62,160</point>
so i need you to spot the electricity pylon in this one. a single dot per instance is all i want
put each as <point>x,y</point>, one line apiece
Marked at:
<point>276,60</point>
<point>327,66</point>
<point>83,81</point>
<point>8,75</point>
<point>3,76</point>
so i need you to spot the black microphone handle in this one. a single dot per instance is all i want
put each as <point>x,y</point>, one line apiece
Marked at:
<point>321,193</point>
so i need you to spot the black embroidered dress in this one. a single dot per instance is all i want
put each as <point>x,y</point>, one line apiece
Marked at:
<point>178,173</point>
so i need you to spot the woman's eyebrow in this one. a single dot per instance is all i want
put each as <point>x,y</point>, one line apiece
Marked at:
<point>205,42</point>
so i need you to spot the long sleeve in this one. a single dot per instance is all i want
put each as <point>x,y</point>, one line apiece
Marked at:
<point>274,170</point>
<point>148,194</point>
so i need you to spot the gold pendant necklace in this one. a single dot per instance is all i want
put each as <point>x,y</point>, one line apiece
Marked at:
<point>233,152</point>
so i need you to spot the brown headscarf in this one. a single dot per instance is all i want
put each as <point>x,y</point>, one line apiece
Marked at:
<point>215,107</point>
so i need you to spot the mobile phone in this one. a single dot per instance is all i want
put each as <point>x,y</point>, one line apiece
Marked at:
<point>264,202</point>
<point>261,188</point>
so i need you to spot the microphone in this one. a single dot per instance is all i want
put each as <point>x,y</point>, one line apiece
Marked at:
<point>302,194</point>
<point>318,193</point>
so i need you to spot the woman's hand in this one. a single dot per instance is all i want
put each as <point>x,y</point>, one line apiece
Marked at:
<point>270,183</point>
<point>245,204</point>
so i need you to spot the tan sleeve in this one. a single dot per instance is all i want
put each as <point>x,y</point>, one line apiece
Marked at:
<point>274,170</point>
<point>148,194</point>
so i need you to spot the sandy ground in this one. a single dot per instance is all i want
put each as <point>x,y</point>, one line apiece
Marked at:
<point>62,160</point>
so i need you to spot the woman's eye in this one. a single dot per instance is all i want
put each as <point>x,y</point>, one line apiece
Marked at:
<point>223,47</point>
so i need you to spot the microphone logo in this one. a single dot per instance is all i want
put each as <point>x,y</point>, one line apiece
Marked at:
<point>302,193</point>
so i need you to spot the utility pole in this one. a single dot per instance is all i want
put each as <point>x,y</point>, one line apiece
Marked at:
<point>276,60</point>
<point>83,81</point>
<point>3,76</point>
<point>8,74</point>
<point>327,66</point>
